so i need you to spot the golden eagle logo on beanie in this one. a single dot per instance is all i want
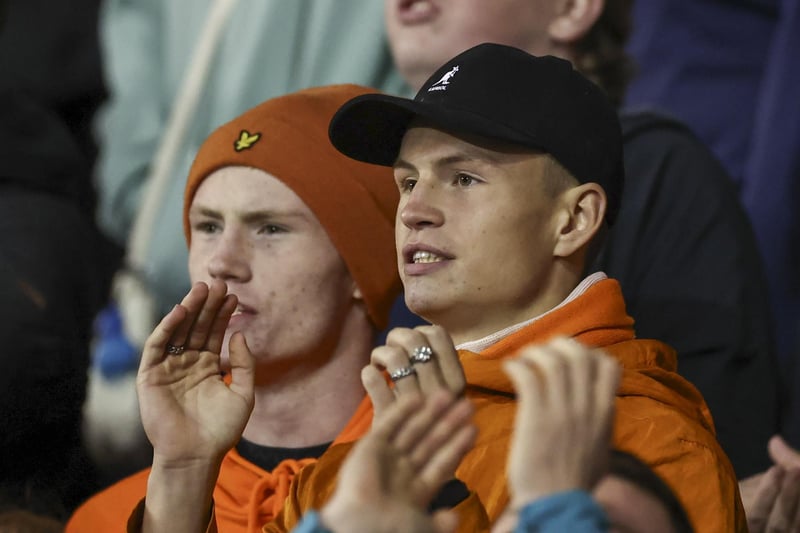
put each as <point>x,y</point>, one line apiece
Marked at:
<point>246,140</point>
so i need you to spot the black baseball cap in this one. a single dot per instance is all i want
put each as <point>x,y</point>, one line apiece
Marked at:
<point>499,93</point>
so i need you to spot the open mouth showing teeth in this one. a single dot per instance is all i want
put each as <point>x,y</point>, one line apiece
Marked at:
<point>239,311</point>
<point>425,257</point>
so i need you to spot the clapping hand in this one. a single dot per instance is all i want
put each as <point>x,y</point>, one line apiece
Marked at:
<point>395,471</point>
<point>771,498</point>
<point>420,361</point>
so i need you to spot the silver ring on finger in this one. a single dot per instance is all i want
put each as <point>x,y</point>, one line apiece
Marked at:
<point>421,354</point>
<point>175,350</point>
<point>400,373</point>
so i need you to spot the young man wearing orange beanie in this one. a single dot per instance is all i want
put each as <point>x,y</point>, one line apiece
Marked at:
<point>509,168</point>
<point>290,244</point>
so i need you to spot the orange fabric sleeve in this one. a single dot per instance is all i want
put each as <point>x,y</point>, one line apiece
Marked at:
<point>688,459</point>
<point>316,483</point>
<point>109,509</point>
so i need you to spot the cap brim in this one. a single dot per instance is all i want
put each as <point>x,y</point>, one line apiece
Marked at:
<point>370,127</point>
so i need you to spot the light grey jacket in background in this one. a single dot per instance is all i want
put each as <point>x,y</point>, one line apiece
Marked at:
<point>269,48</point>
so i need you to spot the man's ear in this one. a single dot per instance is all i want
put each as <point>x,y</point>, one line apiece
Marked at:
<point>574,19</point>
<point>584,209</point>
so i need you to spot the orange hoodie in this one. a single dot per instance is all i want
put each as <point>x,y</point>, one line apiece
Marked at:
<point>245,497</point>
<point>661,418</point>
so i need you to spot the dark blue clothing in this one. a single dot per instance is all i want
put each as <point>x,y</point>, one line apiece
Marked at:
<point>686,258</point>
<point>729,69</point>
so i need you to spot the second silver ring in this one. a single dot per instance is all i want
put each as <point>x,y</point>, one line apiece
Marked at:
<point>401,373</point>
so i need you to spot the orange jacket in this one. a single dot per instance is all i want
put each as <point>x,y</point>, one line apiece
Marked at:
<point>661,418</point>
<point>245,497</point>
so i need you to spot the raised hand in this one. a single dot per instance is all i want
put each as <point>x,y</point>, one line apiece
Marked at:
<point>772,498</point>
<point>562,434</point>
<point>420,361</point>
<point>395,471</point>
<point>189,413</point>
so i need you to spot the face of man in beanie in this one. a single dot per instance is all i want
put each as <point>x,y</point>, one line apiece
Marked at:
<point>482,231</point>
<point>253,232</point>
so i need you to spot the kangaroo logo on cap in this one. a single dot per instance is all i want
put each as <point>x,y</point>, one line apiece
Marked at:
<point>442,84</point>
<point>246,140</point>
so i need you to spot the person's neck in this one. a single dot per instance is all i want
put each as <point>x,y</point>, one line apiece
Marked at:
<point>313,403</point>
<point>463,328</point>
<point>468,324</point>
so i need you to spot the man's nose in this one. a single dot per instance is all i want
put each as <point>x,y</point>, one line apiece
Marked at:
<point>230,258</point>
<point>422,207</point>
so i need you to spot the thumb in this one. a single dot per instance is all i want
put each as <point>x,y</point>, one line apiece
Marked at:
<point>782,454</point>
<point>242,367</point>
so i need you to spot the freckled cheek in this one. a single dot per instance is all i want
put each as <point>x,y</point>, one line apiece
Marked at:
<point>276,328</point>
<point>300,311</point>
<point>295,292</point>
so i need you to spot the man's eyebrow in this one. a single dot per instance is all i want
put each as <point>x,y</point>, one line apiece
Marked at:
<point>246,216</point>
<point>402,163</point>
<point>206,212</point>
<point>483,157</point>
<point>250,217</point>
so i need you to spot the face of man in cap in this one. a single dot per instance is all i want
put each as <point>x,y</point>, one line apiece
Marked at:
<point>253,232</point>
<point>480,230</point>
<point>508,166</point>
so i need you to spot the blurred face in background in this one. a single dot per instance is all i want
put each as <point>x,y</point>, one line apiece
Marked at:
<point>425,34</point>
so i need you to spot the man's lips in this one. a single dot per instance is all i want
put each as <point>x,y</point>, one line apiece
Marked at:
<point>243,310</point>
<point>420,254</point>
<point>416,11</point>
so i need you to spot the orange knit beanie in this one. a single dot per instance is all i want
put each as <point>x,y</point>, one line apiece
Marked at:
<point>355,202</point>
